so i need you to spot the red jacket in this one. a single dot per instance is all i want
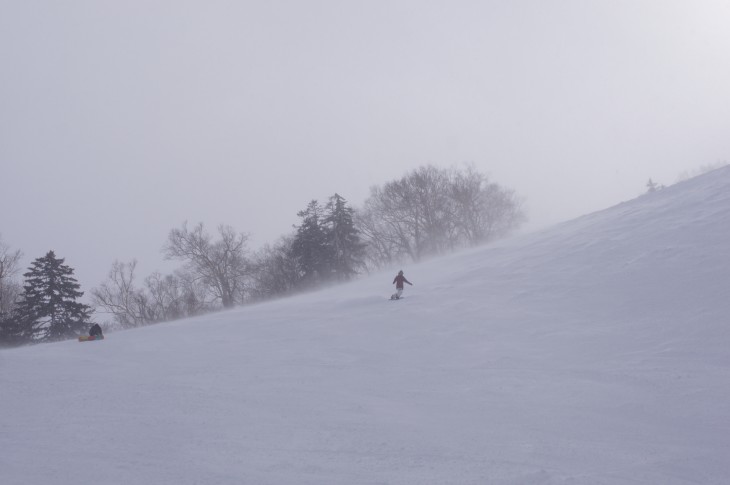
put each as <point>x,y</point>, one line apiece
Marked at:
<point>399,280</point>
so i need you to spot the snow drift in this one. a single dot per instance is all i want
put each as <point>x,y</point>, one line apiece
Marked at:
<point>594,352</point>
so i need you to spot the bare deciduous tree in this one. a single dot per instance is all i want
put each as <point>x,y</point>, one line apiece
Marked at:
<point>431,211</point>
<point>413,214</point>
<point>483,210</point>
<point>166,297</point>
<point>9,267</point>
<point>276,272</point>
<point>221,265</point>
<point>118,297</point>
<point>195,294</point>
<point>163,297</point>
<point>383,245</point>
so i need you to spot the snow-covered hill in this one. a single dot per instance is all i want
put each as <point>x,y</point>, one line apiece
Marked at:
<point>594,352</point>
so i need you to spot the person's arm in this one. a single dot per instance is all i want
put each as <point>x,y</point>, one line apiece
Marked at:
<point>407,281</point>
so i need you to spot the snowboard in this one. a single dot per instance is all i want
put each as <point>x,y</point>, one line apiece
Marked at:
<point>89,338</point>
<point>393,297</point>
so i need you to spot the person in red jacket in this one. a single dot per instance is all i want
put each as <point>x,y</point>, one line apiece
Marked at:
<point>398,281</point>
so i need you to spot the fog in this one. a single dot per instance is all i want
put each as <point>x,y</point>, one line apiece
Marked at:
<point>121,120</point>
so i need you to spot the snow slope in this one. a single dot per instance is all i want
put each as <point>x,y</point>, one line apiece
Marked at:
<point>594,352</point>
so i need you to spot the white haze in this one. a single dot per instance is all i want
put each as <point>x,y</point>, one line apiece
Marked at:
<point>120,120</point>
<point>593,352</point>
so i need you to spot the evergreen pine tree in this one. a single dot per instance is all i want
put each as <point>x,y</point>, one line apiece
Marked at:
<point>651,186</point>
<point>346,248</point>
<point>48,309</point>
<point>310,248</point>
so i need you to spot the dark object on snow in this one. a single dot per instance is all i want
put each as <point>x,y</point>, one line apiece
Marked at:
<point>95,331</point>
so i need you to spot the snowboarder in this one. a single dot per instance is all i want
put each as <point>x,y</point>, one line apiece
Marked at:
<point>95,331</point>
<point>398,281</point>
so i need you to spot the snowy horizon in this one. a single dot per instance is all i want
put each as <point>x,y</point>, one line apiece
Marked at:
<point>122,120</point>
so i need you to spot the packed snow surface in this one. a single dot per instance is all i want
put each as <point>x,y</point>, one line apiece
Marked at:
<point>594,352</point>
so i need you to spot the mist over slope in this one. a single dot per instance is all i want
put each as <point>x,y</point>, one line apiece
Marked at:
<point>595,351</point>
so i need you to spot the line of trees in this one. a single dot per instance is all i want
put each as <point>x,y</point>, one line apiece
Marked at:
<point>220,272</point>
<point>427,212</point>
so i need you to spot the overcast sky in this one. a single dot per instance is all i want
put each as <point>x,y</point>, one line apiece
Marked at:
<point>121,119</point>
